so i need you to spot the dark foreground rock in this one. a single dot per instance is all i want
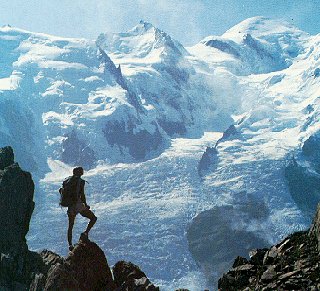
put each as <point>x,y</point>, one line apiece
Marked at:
<point>85,268</point>
<point>16,207</point>
<point>293,264</point>
<point>128,276</point>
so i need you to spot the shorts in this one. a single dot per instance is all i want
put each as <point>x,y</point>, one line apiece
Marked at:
<point>74,209</point>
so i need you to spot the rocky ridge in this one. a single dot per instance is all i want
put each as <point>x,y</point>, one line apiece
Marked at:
<point>85,268</point>
<point>292,264</point>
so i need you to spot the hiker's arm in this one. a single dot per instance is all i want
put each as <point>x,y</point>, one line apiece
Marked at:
<point>82,195</point>
<point>83,199</point>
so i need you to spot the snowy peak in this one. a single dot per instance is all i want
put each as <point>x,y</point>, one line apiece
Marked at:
<point>254,46</point>
<point>262,27</point>
<point>143,40</point>
<point>142,27</point>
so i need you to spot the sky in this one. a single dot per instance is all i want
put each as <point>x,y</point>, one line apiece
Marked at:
<point>188,21</point>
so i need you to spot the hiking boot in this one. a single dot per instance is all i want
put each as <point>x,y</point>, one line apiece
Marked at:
<point>71,247</point>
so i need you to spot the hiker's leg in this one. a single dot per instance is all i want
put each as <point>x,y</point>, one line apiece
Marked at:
<point>70,227</point>
<point>89,214</point>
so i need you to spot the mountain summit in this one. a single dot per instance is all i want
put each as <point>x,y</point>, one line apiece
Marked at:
<point>264,28</point>
<point>143,40</point>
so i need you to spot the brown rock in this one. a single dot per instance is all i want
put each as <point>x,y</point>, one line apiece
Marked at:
<point>128,276</point>
<point>86,268</point>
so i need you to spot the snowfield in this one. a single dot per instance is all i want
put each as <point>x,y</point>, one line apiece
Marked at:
<point>139,112</point>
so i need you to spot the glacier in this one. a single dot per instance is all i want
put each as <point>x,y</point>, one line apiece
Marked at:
<point>183,147</point>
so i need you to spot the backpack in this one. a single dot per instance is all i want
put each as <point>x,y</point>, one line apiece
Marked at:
<point>69,192</point>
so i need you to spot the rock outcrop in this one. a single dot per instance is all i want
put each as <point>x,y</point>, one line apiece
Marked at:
<point>128,276</point>
<point>293,264</point>
<point>208,161</point>
<point>85,268</point>
<point>214,242</point>
<point>16,207</point>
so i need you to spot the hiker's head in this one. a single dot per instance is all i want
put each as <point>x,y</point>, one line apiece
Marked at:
<point>78,171</point>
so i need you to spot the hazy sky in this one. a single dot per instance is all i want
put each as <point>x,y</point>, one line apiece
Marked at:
<point>186,20</point>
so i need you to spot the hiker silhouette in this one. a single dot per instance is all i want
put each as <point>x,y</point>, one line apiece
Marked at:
<point>79,205</point>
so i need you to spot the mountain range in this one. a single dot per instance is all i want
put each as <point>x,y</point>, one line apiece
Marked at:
<point>193,154</point>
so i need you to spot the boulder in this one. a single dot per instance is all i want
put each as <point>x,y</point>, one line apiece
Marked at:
<point>128,276</point>
<point>86,268</point>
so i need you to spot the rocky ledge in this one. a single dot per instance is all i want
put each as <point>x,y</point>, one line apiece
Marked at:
<point>293,264</point>
<point>85,268</point>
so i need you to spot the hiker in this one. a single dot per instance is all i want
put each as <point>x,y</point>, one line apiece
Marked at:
<point>79,205</point>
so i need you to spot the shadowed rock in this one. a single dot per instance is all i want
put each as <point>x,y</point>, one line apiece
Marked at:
<point>16,207</point>
<point>86,268</point>
<point>128,276</point>
<point>214,242</point>
<point>292,264</point>
<point>6,157</point>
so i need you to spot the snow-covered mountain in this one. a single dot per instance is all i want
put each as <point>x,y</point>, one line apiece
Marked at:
<point>185,148</point>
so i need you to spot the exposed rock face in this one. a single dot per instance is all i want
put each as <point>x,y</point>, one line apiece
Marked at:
<point>208,160</point>
<point>293,264</point>
<point>43,262</point>
<point>139,143</point>
<point>16,207</point>
<point>76,151</point>
<point>128,276</point>
<point>214,242</point>
<point>6,157</point>
<point>303,184</point>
